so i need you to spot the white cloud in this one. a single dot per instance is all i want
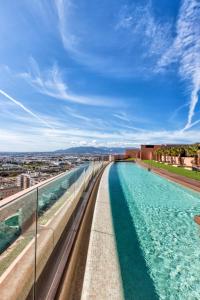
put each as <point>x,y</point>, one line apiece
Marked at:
<point>73,113</point>
<point>122,116</point>
<point>44,139</point>
<point>185,51</point>
<point>51,83</point>
<point>133,34</point>
<point>27,110</point>
<point>140,21</point>
<point>177,110</point>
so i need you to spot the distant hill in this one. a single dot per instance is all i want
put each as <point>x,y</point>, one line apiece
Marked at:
<point>93,150</point>
<point>81,150</point>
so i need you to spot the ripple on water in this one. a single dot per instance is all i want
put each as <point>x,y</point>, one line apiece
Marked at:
<point>162,213</point>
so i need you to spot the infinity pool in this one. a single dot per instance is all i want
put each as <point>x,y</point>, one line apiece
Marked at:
<point>158,242</point>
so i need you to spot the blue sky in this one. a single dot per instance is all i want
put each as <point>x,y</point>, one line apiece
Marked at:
<point>90,72</point>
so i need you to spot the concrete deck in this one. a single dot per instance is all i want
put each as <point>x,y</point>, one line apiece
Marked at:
<point>102,278</point>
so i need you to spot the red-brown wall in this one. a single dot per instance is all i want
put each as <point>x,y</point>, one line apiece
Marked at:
<point>148,151</point>
<point>133,153</point>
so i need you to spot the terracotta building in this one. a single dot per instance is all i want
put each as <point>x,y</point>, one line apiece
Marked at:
<point>148,151</point>
<point>132,153</point>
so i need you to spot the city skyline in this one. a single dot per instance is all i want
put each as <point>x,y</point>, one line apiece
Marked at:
<point>97,74</point>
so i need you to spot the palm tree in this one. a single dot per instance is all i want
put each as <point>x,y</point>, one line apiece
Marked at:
<point>173,152</point>
<point>181,153</point>
<point>176,152</point>
<point>158,153</point>
<point>192,150</point>
<point>162,154</point>
<point>167,152</point>
<point>198,154</point>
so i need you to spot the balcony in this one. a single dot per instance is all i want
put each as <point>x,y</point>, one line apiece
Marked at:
<point>38,227</point>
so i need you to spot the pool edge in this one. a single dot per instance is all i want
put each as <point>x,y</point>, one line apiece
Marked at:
<point>102,279</point>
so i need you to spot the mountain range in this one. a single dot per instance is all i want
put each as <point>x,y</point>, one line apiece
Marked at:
<point>93,150</point>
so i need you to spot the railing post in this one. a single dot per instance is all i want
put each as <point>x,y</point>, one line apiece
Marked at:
<point>84,180</point>
<point>35,249</point>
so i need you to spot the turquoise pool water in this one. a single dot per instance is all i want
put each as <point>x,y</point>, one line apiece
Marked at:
<point>157,240</point>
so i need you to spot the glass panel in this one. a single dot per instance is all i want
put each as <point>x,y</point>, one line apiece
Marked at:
<point>57,200</point>
<point>17,245</point>
<point>55,193</point>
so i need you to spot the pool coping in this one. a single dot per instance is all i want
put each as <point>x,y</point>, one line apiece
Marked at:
<point>102,279</point>
<point>184,181</point>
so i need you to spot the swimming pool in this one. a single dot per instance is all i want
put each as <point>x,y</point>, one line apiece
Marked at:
<point>157,241</point>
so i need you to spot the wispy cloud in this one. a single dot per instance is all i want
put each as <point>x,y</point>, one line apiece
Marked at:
<point>130,118</point>
<point>73,113</point>
<point>185,51</point>
<point>51,83</point>
<point>69,40</point>
<point>27,110</point>
<point>72,41</point>
<point>122,116</point>
<point>42,139</point>
<point>132,29</point>
<point>140,22</point>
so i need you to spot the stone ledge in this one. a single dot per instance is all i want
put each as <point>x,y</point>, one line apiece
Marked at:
<point>102,278</point>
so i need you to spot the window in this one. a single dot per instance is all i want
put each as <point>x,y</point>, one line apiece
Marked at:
<point>149,146</point>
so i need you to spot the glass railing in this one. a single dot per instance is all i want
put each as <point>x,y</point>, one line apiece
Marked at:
<point>31,224</point>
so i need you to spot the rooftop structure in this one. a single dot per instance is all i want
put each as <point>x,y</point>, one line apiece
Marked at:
<point>9,190</point>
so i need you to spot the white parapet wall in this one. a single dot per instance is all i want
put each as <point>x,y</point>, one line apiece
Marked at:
<point>102,278</point>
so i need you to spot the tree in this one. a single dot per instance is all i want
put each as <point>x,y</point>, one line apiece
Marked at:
<point>173,152</point>
<point>181,153</point>
<point>166,152</point>
<point>192,150</point>
<point>158,153</point>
